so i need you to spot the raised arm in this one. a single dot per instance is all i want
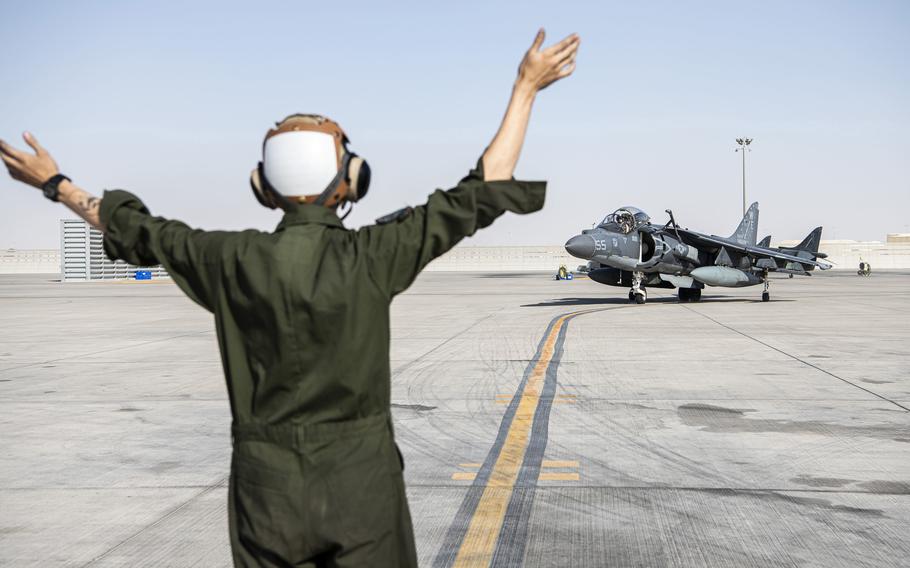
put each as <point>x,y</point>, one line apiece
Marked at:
<point>538,70</point>
<point>131,233</point>
<point>36,169</point>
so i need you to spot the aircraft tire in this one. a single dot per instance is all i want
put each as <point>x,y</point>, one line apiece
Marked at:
<point>689,295</point>
<point>765,297</point>
<point>639,299</point>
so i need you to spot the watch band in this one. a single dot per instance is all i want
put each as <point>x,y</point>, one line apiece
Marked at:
<point>51,187</point>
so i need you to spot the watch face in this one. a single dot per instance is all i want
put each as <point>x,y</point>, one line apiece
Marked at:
<point>51,190</point>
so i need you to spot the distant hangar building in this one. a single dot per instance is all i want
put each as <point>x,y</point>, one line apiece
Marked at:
<point>83,257</point>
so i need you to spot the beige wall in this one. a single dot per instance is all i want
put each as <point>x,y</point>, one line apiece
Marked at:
<point>504,259</point>
<point>844,254</point>
<point>895,253</point>
<point>35,261</point>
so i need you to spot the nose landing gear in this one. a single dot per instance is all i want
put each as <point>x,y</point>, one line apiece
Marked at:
<point>766,294</point>
<point>638,294</point>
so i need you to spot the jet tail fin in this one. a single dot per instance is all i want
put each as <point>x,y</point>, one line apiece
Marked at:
<point>765,242</point>
<point>808,248</point>
<point>747,232</point>
<point>811,242</point>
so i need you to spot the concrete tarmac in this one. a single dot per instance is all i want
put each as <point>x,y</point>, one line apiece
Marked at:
<point>543,423</point>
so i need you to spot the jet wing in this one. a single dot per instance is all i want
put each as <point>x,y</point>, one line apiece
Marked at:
<point>714,242</point>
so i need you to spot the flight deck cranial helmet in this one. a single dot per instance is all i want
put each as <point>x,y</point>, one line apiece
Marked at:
<point>626,220</point>
<point>305,159</point>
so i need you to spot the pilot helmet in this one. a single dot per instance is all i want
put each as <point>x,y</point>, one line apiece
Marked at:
<point>626,220</point>
<point>306,160</point>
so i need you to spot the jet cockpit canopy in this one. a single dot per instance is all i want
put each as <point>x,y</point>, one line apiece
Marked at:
<point>625,220</point>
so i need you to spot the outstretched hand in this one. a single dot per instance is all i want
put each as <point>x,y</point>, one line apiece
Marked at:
<point>33,169</point>
<point>541,68</point>
<point>538,70</point>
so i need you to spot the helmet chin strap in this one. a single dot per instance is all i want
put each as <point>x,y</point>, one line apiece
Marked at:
<point>348,212</point>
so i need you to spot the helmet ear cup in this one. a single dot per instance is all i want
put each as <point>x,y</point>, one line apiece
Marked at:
<point>257,183</point>
<point>358,178</point>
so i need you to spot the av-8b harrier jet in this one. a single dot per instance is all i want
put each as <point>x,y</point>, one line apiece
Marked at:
<point>625,249</point>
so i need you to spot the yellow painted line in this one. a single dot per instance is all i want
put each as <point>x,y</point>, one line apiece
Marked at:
<point>483,531</point>
<point>464,475</point>
<point>560,399</point>
<point>559,463</point>
<point>509,396</point>
<point>558,476</point>
<point>470,464</point>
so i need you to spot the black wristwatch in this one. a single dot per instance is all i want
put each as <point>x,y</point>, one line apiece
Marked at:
<point>51,187</point>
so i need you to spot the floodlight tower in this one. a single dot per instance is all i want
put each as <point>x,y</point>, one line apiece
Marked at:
<point>743,147</point>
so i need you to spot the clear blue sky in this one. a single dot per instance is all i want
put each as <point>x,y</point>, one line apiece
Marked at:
<point>171,99</point>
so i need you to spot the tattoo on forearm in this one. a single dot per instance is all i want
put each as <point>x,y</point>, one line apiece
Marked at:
<point>89,203</point>
<point>86,206</point>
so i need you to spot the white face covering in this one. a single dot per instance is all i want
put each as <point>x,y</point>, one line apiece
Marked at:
<point>300,163</point>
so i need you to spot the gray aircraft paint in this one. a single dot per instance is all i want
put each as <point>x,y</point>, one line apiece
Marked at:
<point>625,249</point>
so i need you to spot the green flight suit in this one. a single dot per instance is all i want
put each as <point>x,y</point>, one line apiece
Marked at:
<point>302,319</point>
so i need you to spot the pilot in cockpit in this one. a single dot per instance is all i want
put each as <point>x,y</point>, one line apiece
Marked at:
<point>625,220</point>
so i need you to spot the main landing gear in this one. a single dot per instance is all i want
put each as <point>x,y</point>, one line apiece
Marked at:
<point>689,295</point>
<point>766,294</point>
<point>638,294</point>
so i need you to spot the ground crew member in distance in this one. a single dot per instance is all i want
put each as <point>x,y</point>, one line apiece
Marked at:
<point>302,319</point>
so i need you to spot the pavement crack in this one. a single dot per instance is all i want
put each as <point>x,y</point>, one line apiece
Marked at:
<point>796,358</point>
<point>413,362</point>
<point>209,488</point>
<point>118,348</point>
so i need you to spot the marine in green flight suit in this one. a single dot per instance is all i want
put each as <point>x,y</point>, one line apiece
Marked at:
<point>302,320</point>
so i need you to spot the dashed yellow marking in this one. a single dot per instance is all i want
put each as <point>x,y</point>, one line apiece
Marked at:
<point>559,463</point>
<point>558,476</point>
<point>464,475</point>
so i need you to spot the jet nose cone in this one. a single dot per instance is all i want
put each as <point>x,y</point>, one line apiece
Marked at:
<point>581,246</point>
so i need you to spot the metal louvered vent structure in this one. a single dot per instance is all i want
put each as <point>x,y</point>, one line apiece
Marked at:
<point>82,256</point>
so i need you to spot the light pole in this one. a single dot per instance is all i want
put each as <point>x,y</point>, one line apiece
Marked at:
<point>743,146</point>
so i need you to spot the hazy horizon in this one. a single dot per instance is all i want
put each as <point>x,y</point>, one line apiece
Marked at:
<point>171,101</point>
